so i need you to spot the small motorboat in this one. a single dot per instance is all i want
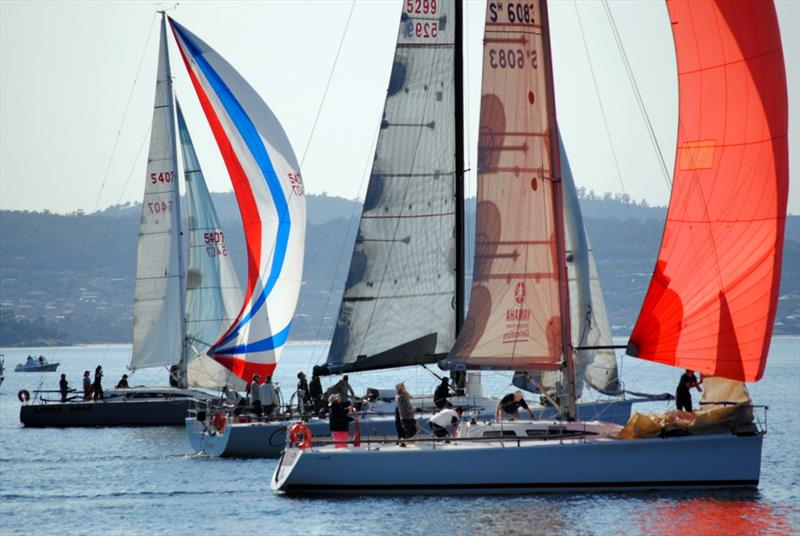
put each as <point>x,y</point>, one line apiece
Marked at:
<point>39,364</point>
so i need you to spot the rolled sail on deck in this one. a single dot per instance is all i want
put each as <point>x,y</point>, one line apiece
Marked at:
<point>711,303</point>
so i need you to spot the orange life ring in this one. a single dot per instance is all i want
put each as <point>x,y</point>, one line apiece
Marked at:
<point>23,395</point>
<point>220,421</point>
<point>295,432</point>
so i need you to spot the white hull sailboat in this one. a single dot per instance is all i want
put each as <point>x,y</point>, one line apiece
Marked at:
<point>710,306</point>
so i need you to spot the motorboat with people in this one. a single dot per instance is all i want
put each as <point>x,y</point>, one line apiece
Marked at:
<point>36,364</point>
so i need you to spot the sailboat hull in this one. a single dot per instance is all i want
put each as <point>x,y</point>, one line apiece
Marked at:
<point>711,461</point>
<point>268,439</point>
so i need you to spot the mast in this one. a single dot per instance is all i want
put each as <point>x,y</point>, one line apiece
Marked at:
<point>183,380</point>
<point>568,406</point>
<point>459,377</point>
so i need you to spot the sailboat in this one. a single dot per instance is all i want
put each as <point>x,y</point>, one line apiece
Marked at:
<point>180,310</point>
<point>710,305</point>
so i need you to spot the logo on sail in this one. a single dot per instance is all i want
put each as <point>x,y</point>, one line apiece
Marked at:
<point>517,318</point>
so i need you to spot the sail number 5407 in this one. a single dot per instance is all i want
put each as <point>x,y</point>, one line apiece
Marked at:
<point>163,177</point>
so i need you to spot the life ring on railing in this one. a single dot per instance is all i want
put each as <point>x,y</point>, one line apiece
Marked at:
<point>23,395</point>
<point>220,421</point>
<point>294,436</point>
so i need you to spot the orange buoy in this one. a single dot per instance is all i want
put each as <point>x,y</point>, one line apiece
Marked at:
<point>295,433</point>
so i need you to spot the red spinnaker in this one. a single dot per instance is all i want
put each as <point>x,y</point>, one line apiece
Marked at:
<point>711,303</point>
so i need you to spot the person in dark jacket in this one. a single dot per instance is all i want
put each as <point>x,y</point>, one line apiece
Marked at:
<point>63,386</point>
<point>339,419</point>
<point>441,393</point>
<point>405,420</point>
<point>315,390</point>
<point>303,394</point>
<point>123,382</point>
<point>683,395</point>
<point>97,386</point>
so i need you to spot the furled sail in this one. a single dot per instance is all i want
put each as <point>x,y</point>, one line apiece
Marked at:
<point>515,312</point>
<point>213,295</point>
<point>158,298</point>
<point>271,197</point>
<point>590,327</point>
<point>711,302</point>
<point>399,300</point>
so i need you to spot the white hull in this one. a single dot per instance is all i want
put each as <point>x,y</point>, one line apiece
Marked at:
<point>267,439</point>
<point>527,466</point>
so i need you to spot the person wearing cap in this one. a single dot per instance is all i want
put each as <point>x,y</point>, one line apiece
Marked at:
<point>339,420</point>
<point>509,405</point>
<point>123,382</point>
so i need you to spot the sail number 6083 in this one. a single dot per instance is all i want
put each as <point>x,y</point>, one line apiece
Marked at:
<point>513,58</point>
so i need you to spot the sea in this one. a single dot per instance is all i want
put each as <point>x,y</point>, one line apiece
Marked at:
<point>149,481</point>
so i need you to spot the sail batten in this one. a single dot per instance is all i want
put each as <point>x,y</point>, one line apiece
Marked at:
<point>400,287</point>
<point>712,300</point>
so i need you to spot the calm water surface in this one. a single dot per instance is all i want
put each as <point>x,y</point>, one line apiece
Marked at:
<point>146,481</point>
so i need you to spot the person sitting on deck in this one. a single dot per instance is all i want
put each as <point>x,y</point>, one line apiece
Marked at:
<point>443,423</point>
<point>339,420</point>
<point>441,393</point>
<point>508,408</point>
<point>63,386</point>
<point>123,382</point>
<point>683,396</point>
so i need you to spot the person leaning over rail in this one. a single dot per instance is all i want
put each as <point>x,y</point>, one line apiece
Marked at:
<point>444,423</point>
<point>508,408</point>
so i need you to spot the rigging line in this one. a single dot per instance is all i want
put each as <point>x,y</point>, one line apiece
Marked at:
<point>328,84</point>
<point>602,108</point>
<point>639,101</point>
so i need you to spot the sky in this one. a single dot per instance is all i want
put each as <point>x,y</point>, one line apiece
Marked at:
<point>77,82</point>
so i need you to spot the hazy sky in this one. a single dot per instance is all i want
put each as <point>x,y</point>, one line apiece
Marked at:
<point>67,70</point>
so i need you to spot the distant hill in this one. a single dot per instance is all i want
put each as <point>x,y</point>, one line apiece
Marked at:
<point>69,278</point>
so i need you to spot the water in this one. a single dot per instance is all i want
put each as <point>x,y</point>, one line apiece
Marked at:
<point>146,481</point>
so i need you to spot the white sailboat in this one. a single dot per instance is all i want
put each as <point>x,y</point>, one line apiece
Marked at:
<point>711,302</point>
<point>179,312</point>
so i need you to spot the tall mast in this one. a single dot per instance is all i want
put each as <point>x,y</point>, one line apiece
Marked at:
<point>568,406</point>
<point>177,233</point>
<point>458,75</point>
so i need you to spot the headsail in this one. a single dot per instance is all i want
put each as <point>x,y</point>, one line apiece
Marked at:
<point>712,299</point>
<point>516,311</point>
<point>399,306</point>
<point>590,327</point>
<point>158,299</point>
<point>269,189</point>
<point>213,295</point>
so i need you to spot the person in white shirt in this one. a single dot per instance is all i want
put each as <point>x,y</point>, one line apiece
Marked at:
<point>255,399</point>
<point>268,396</point>
<point>444,422</point>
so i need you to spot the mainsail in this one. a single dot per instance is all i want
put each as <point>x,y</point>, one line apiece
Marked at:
<point>213,295</point>
<point>517,304</point>
<point>399,300</point>
<point>271,197</point>
<point>158,329</point>
<point>711,302</point>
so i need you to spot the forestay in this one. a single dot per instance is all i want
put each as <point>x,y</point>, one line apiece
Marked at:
<point>158,297</point>
<point>213,295</point>
<point>711,302</point>
<point>515,313</point>
<point>399,300</point>
<point>270,193</point>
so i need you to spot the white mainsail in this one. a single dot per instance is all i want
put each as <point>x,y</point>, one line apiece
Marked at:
<point>399,306</point>
<point>213,294</point>
<point>158,328</point>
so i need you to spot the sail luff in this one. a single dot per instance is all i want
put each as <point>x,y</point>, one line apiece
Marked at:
<point>711,302</point>
<point>158,330</point>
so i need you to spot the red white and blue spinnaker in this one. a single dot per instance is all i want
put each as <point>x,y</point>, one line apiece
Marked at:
<point>269,190</point>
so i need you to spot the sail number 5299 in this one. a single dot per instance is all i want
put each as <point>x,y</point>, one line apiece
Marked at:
<point>421,7</point>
